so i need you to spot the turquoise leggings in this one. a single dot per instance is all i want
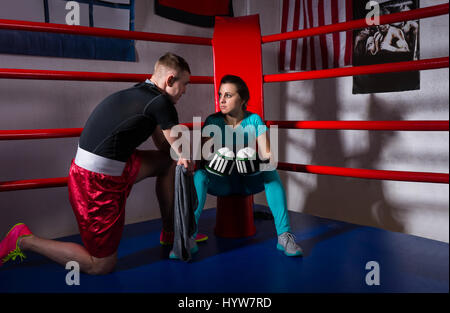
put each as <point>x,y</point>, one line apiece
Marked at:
<point>236,184</point>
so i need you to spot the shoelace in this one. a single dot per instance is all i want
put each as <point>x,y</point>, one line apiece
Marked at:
<point>290,239</point>
<point>14,254</point>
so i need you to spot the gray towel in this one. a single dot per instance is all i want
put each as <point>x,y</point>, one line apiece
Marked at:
<point>184,219</point>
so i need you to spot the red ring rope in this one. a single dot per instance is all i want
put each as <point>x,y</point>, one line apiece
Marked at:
<point>424,177</point>
<point>13,73</point>
<point>356,24</point>
<point>39,133</point>
<point>426,64</point>
<point>330,125</point>
<point>364,125</point>
<point>104,32</point>
<point>101,32</point>
<point>33,184</point>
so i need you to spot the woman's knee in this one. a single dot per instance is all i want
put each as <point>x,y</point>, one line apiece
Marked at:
<point>270,176</point>
<point>200,177</point>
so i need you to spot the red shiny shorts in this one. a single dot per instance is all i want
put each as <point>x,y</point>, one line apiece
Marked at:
<point>98,201</point>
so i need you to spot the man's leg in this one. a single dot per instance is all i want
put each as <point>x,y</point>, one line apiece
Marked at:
<point>87,211</point>
<point>63,252</point>
<point>160,164</point>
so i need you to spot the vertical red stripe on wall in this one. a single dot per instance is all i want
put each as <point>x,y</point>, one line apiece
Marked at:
<point>336,40</point>
<point>323,40</point>
<point>284,19</point>
<point>304,40</point>
<point>320,54</point>
<point>311,39</point>
<point>295,41</point>
<point>349,33</point>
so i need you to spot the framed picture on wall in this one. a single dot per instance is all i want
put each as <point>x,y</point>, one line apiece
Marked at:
<point>387,43</point>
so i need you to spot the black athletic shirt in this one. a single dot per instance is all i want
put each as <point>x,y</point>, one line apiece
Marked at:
<point>125,119</point>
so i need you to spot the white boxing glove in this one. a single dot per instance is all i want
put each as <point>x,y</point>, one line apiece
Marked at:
<point>222,163</point>
<point>248,161</point>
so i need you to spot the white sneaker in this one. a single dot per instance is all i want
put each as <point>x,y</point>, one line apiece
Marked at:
<point>286,243</point>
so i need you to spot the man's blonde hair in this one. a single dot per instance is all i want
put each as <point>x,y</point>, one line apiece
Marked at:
<point>171,61</point>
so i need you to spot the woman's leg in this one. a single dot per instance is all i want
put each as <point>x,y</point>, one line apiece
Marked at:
<point>276,199</point>
<point>275,194</point>
<point>206,182</point>
<point>201,187</point>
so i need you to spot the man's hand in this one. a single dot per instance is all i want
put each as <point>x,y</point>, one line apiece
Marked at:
<point>187,164</point>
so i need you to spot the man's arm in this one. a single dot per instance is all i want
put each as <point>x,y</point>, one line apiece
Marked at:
<point>160,140</point>
<point>171,140</point>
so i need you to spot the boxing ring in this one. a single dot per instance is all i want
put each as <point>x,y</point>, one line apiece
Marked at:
<point>249,263</point>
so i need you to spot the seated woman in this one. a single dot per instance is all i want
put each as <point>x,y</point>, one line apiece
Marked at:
<point>244,178</point>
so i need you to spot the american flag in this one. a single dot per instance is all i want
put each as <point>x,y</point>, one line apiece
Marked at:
<point>318,52</point>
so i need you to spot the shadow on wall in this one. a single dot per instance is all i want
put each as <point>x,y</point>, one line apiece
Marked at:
<point>354,200</point>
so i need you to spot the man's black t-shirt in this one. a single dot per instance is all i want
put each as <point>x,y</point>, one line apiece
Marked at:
<point>125,119</point>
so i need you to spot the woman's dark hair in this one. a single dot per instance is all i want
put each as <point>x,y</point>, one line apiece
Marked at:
<point>241,87</point>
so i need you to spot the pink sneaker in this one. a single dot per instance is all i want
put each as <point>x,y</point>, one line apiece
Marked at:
<point>166,238</point>
<point>201,237</point>
<point>9,248</point>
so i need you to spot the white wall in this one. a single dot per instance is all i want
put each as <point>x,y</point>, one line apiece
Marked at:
<point>416,208</point>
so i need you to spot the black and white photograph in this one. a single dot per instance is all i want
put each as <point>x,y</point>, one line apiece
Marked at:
<point>386,43</point>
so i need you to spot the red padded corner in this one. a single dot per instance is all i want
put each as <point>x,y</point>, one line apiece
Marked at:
<point>237,50</point>
<point>234,217</point>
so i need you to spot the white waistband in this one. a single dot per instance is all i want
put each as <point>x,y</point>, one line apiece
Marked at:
<point>98,164</point>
